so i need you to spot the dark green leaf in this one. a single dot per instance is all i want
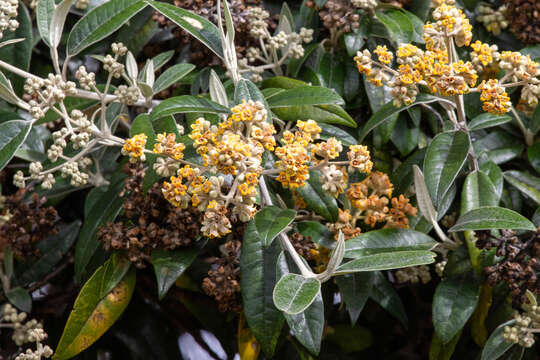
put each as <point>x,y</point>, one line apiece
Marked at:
<point>330,114</point>
<point>201,28</point>
<point>101,22</point>
<point>317,199</point>
<point>186,104</point>
<point>487,120</point>
<point>318,232</point>
<point>495,174</point>
<point>171,76</point>
<point>453,303</point>
<point>384,294</point>
<point>387,240</point>
<point>387,112</point>
<point>13,134</point>
<point>533,153</point>
<point>257,265</point>
<point>441,351</point>
<point>398,24</point>
<point>355,289</point>
<point>20,298</point>
<point>305,95</point>
<point>487,218</point>
<point>478,191</point>
<point>52,250</point>
<point>445,157</point>
<point>105,209</point>
<point>524,182</point>
<point>169,265</point>
<point>270,221</point>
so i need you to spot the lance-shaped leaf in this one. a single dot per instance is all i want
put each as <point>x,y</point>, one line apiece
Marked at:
<point>217,90</point>
<point>13,133</point>
<point>453,303</point>
<point>355,289</point>
<point>317,199</point>
<point>57,22</point>
<point>526,183</point>
<point>187,104</point>
<point>384,294</point>
<point>201,28</point>
<point>44,14</point>
<point>93,312</point>
<point>445,157</point>
<point>387,240</point>
<point>422,196</point>
<point>20,298</point>
<point>387,112</point>
<point>101,22</point>
<point>258,268</point>
<point>492,217</point>
<point>294,293</point>
<point>305,95</point>
<point>387,261</point>
<point>488,120</point>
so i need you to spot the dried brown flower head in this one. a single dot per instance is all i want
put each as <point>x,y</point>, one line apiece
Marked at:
<point>26,222</point>
<point>524,19</point>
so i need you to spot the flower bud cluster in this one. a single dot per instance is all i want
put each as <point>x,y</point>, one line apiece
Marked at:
<point>493,20</point>
<point>288,44</point>
<point>30,331</point>
<point>8,15</point>
<point>82,4</point>
<point>522,332</point>
<point>47,92</point>
<point>86,79</point>
<point>127,94</point>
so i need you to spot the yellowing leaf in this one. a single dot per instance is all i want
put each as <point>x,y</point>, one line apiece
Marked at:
<point>248,347</point>
<point>478,326</point>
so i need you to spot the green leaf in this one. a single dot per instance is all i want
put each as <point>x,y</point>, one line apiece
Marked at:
<point>387,240</point>
<point>453,304</point>
<point>535,121</point>
<point>496,345</point>
<point>258,269</point>
<point>355,289</point>
<point>317,199</point>
<point>201,28</point>
<point>307,326</point>
<point>355,39</point>
<point>329,131</point>
<point>13,134</point>
<point>169,265</point>
<point>330,114</point>
<point>158,61</point>
<point>441,351</point>
<point>495,174</point>
<point>186,104</point>
<point>398,24</point>
<point>113,272</point>
<point>20,298</point>
<point>350,338</point>
<point>487,120</point>
<point>105,209</point>
<point>387,261</point>
<point>44,13</point>
<point>533,153</point>
<point>171,76</point>
<point>492,217</point>
<point>305,95</point>
<point>270,221</point>
<point>384,294</point>
<point>445,157</point>
<point>524,182</point>
<point>52,250</point>
<point>19,54</point>
<point>478,191</point>
<point>388,111</point>
<point>247,90</point>
<point>319,233</point>
<point>93,314</point>
<point>101,22</point>
<point>294,293</point>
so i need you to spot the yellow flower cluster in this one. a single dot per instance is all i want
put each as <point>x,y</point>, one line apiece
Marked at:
<point>235,147</point>
<point>439,68</point>
<point>134,147</point>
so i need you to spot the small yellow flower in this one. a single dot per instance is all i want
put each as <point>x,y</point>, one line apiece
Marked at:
<point>383,54</point>
<point>134,147</point>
